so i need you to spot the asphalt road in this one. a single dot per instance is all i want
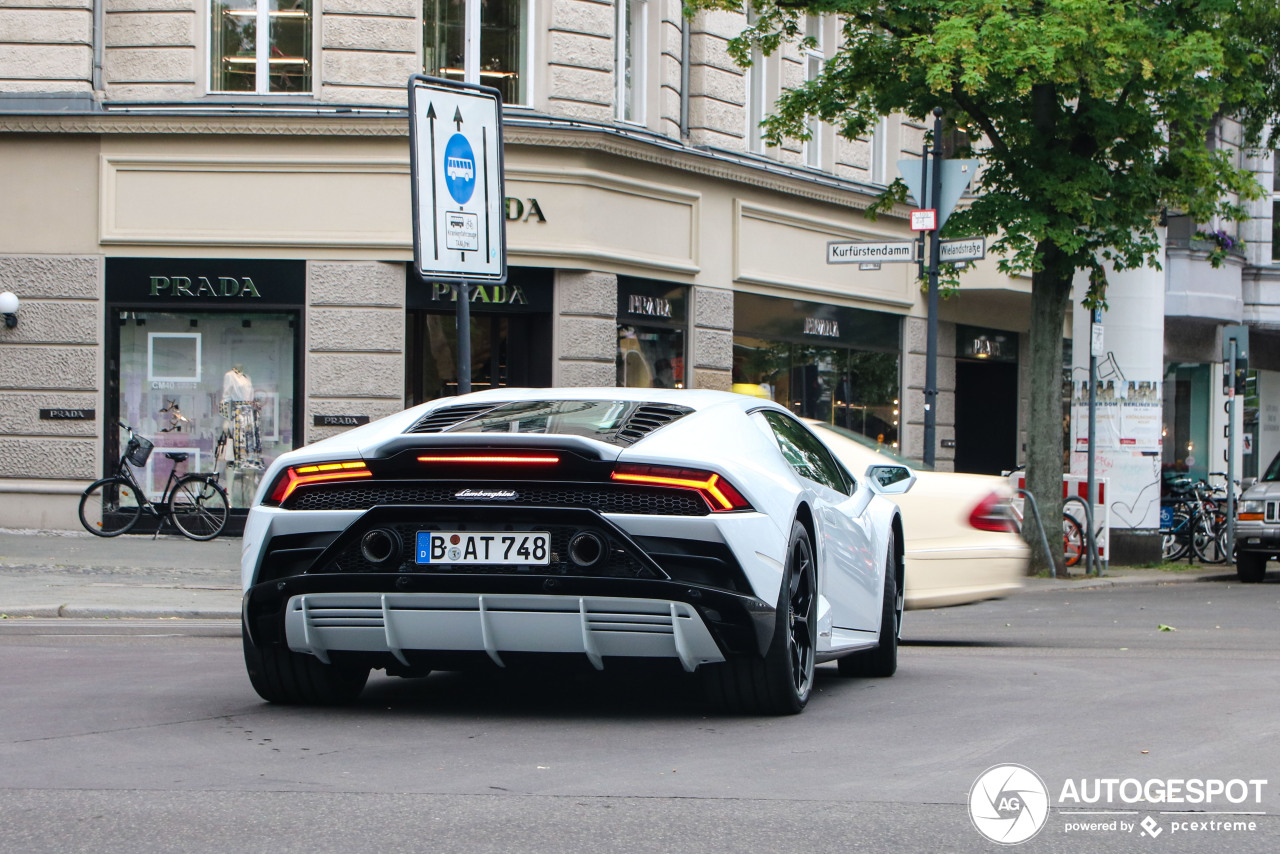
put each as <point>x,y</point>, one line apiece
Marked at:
<point>145,736</point>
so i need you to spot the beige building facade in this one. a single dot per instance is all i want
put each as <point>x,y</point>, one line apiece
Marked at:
<point>184,213</point>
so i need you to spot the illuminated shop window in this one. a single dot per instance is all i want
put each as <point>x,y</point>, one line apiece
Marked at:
<point>503,54</point>
<point>260,46</point>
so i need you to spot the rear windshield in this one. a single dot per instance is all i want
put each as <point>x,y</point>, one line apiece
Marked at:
<point>618,422</point>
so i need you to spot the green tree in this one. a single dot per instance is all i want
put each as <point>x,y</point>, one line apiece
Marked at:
<point>1090,118</point>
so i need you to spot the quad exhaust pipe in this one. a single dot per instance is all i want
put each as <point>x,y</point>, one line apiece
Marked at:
<point>587,548</point>
<point>381,545</point>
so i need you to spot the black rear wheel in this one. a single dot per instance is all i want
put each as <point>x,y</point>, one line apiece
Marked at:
<point>280,675</point>
<point>198,507</point>
<point>780,682</point>
<point>1251,567</point>
<point>110,507</point>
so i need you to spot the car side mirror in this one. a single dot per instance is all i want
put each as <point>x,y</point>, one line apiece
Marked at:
<point>890,479</point>
<point>1247,482</point>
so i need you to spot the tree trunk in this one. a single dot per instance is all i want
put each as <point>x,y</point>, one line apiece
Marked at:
<point>1050,296</point>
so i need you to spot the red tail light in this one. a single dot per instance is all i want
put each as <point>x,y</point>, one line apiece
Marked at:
<point>295,476</point>
<point>719,494</point>
<point>992,514</point>
<point>491,458</point>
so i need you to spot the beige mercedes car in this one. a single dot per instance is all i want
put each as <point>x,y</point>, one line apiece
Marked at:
<point>960,542</point>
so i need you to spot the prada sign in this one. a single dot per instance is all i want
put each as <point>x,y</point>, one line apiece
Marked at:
<point>641,300</point>
<point>206,281</point>
<point>481,293</point>
<point>527,291</point>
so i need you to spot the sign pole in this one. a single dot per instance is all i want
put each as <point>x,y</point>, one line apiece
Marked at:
<point>931,345</point>
<point>1233,352</point>
<point>464,336</point>
<point>1095,349</point>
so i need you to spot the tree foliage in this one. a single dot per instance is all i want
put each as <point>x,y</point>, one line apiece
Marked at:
<point>1091,118</point>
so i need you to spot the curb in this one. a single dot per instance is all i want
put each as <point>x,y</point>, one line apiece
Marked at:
<point>1108,581</point>
<point>92,612</point>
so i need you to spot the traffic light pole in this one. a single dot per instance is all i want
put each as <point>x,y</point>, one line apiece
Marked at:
<point>931,339</point>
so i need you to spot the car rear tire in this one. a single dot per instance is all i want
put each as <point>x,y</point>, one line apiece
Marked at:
<point>780,682</point>
<point>1251,567</point>
<point>280,675</point>
<point>883,660</point>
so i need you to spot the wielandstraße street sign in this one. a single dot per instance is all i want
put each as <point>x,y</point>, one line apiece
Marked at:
<point>962,249</point>
<point>455,156</point>
<point>864,251</point>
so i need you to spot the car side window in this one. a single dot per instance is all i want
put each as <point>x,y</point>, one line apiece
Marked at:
<point>808,456</point>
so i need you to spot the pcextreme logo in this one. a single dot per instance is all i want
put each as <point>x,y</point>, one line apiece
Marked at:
<point>1008,804</point>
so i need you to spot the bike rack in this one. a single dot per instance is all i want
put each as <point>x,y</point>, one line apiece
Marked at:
<point>1044,540</point>
<point>1089,541</point>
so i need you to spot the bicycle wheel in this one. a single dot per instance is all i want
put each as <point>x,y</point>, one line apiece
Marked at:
<point>1175,539</point>
<point>110,507</point>
<point>1209,539</point>
<point>1073,541</point>
<point>198,507</point>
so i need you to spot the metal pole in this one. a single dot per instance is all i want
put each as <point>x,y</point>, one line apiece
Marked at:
<point>464,337</point>
<point>931,345</point>
<point>1231,452</point>
<point>471,42</point>
<point>1093,433</point>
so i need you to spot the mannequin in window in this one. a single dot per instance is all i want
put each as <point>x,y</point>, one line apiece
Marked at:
<point>240,426</point>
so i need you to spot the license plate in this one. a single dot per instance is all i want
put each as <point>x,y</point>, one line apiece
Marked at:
<point>481,547</point>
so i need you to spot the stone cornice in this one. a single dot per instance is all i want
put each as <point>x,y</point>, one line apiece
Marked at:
<point>517,131</point>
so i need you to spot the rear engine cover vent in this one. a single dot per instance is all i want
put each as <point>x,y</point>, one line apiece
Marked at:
<point>647,418</point>
<point>442,419</point>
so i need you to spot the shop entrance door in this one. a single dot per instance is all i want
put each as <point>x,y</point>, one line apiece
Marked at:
<point>506,350</point>
<point>986,417</point>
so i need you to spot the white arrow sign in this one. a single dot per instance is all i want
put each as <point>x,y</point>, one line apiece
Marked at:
<point>455,155</point>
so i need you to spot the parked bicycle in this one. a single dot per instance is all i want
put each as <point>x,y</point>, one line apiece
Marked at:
<point>195,502</point>
<point>1193,520</point>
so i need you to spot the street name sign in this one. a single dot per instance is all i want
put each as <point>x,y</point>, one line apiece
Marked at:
<point>862,251</point>
<point>455,156</point>
<point>964,249</point>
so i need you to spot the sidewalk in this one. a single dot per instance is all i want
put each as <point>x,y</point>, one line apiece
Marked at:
<point>74,574</point>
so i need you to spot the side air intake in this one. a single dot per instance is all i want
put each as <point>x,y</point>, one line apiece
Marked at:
<point>647,418</point>
<point>442,419</point>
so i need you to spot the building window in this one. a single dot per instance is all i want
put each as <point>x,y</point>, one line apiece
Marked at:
<point>880,152</point>
<point>1275,231</point>
<point>813,60</point>
<point>503,52</point>
<point>632,45</point>
<point>260,46</point>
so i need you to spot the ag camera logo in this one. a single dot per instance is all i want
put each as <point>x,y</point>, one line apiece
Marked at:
<point>459,168</point>
<point>1008,804</point>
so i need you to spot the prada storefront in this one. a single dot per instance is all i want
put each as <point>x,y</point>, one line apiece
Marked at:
<point>203,357</point>
<point>652,331</point>
<point>510,334</point>
<point>832,363</point>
